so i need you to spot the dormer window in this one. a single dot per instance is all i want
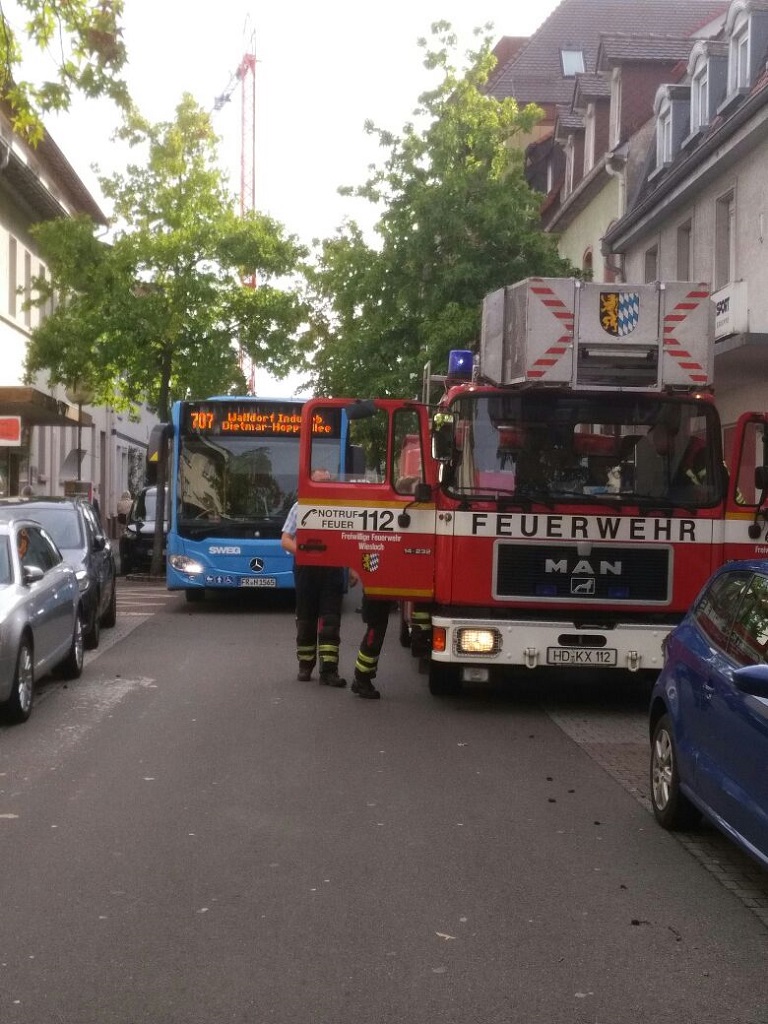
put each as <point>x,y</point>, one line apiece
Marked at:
<point>707,70</point>
<point>746,28</point>
<point>672,110</point>
<point>738,71</point>
<point>614,130</point>
<point>700,96</point>
<point>569,160</point>
<point>589,138</point>
<point>572,61</point>
<point>664,135</point>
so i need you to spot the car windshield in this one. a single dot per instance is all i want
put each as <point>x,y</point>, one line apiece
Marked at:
<point>5,563</point>
<point>61,522</point>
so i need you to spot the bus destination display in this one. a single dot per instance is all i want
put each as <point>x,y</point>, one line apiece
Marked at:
<point>270,419</point>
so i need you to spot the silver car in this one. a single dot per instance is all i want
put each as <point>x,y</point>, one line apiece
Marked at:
<point>41,617</point>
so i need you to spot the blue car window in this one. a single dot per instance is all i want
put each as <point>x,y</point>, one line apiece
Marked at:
<point>716,608</point>
<point>749,637</point>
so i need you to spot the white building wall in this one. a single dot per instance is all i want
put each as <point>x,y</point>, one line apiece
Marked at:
<point>741,374</point>
<point>585,232</point>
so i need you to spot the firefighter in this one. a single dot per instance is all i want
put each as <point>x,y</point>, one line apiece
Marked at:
<point>376,617</point>
<point>319,594</point>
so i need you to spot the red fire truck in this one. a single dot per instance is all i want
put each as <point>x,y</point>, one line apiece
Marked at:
<point>563,500</point>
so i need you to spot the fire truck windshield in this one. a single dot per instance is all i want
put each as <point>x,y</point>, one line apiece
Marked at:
<point>563,446</point>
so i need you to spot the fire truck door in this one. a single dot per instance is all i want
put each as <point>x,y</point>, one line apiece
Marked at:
<point>746,533</point>
<point>366,494</point>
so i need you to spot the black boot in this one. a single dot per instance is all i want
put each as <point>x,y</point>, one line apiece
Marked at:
<point>363,687</point>
<point>305,671</point>
<point>330,677</point>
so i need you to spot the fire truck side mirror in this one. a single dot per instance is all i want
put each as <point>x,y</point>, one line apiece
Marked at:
<point>422,493</point>
<point>443,437</point>
<point>761,478</point>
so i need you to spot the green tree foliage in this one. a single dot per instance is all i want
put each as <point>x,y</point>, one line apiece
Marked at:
<point>83,39</point>
<point>457,220</point>
<point>152,315</point>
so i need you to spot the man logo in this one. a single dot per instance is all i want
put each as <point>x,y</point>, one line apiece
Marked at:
<point>583,587</point>
<point>619,312</point>
<point>256,564</point>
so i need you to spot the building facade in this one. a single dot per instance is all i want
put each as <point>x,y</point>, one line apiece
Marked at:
<point>51,440</point>
<point>656,164</point>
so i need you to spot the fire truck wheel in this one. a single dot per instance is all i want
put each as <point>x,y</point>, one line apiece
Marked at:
<point>671,807</point>
<point>444,680</point>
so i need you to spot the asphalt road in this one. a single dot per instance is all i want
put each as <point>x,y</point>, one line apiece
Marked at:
<point>188,834</point>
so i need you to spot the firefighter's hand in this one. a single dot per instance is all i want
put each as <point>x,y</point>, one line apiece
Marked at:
<point>354,579</point>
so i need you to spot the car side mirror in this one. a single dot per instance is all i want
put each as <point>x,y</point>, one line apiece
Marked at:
<point>31,574</point>
<point>752,679</point>
<point>99,543</point>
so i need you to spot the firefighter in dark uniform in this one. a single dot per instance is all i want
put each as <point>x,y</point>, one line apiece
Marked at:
<point>319,594</point>
<point>376,617</point>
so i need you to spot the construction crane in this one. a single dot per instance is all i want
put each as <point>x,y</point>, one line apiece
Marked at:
<point>245,78</point>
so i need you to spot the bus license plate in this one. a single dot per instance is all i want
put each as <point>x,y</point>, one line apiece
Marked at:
<point>258,581</point>
<point>597,657</point>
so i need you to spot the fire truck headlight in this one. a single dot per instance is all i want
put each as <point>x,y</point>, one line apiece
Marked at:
<point>183,563</point>
<point>478,641</point>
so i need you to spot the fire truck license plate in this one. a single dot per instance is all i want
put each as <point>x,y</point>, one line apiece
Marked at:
<point>258,581</point>
<point>602,657</point>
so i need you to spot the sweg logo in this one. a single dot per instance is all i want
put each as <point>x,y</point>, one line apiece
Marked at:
<point>223,549</point>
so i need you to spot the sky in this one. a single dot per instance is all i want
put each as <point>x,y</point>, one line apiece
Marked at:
<point>322,70</point>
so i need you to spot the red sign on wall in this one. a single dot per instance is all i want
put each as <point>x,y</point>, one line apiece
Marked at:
<point>10,430</point>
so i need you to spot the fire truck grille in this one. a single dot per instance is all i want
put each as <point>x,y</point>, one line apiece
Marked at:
<point>607,573</point>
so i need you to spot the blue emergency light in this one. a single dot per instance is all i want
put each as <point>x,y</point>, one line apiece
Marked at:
<point>459,365</point>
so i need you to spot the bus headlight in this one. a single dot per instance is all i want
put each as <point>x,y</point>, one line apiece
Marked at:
<point>183,563</point>
<point>478,641</point>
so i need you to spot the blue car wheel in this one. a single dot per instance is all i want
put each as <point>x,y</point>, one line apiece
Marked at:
<point>673,810</point>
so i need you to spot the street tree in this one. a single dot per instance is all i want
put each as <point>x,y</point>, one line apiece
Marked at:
<point>456,219</point>
<point>164,309</point>
<point>87,55</point>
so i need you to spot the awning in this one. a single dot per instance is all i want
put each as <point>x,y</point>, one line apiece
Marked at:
<point>70,468</point>
<point>36,408</point>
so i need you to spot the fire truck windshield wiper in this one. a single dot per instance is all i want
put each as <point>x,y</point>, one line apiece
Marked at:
<point>649,503</point>
<point>605,498</point>
<point>505,498</point>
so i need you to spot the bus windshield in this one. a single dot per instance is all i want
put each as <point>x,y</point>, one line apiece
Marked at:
<point>251,479</point>
<point>538,445</point>
<point>237,464</point>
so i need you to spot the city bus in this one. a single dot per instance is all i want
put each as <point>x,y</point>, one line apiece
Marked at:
<point>232,478</point>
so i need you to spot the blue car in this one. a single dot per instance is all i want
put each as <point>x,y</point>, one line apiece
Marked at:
<point>709,712</point>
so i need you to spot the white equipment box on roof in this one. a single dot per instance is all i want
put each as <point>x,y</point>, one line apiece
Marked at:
<point>560,330</point>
